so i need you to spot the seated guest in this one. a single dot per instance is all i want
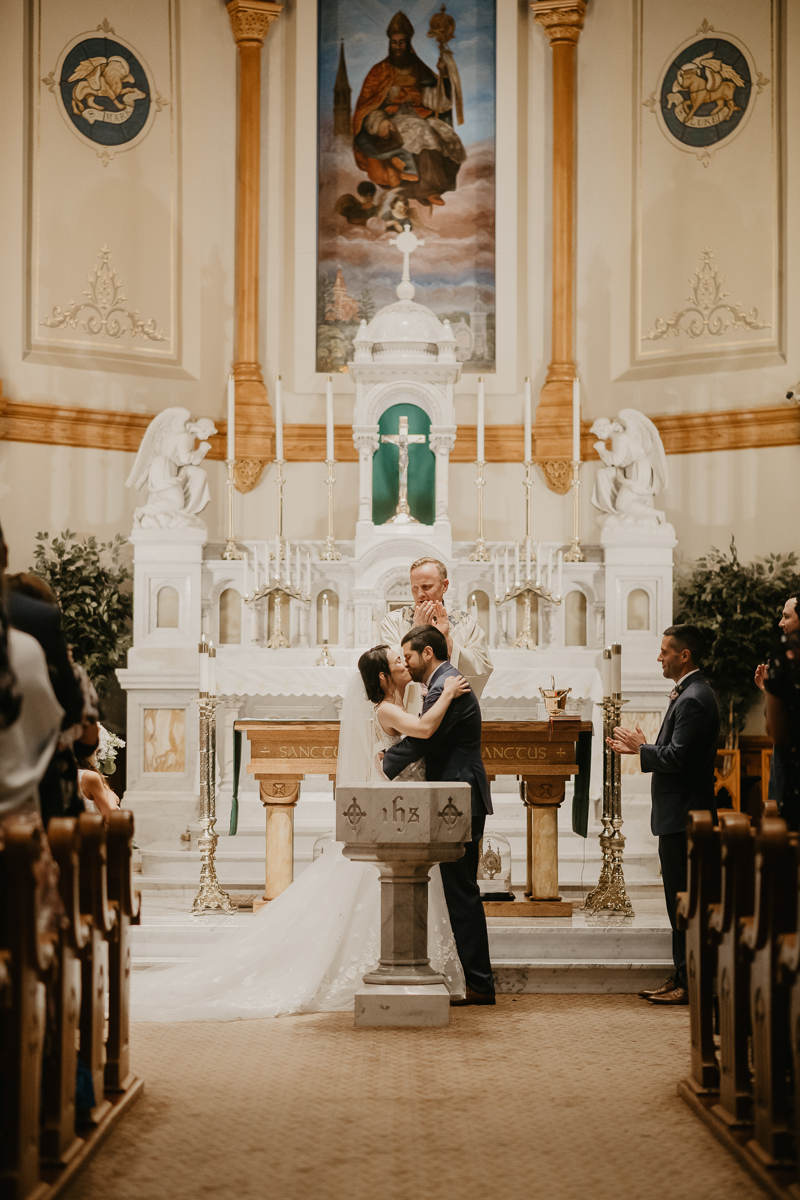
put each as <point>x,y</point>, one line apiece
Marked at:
<point>30,719</point>
<point>778,783</point>
<point>97,795</point>
<point>783,724</point>
<point>682,767</point>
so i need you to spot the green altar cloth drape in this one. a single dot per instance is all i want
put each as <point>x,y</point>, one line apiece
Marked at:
<point>421,468</point>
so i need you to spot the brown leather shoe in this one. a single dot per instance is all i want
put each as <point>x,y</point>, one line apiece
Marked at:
<point>472,997</point>
<point>669,986</point>
<point>676,996</point>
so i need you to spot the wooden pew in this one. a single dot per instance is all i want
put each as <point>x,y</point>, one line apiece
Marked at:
<point>789,964</point>
<point>775,914</point>
<point>100,918</point>
<point>125,904</point>
<point>27,942</point>
<point>737,840</point>
<point>59,1141</point>
<point>703,891</point>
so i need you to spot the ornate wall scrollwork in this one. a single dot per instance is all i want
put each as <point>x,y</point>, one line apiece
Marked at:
<point>103,312</point>
<point>708,310</point>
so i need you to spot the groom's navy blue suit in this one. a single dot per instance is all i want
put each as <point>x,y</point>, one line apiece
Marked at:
<point>454,753</point>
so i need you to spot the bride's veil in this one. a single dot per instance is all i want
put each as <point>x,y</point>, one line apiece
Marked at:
<point>357,745</point>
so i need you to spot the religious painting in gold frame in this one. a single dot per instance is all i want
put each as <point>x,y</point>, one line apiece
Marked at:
<point>406,134</point>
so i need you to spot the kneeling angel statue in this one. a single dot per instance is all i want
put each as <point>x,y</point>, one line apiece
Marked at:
<point>168,463</point>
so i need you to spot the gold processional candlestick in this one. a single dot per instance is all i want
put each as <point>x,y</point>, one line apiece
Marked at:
<point>231,550</point>
<point>610,892</point>
<point>210,895</point>
<point>575,554</point>
<point>480,553</point>
<point>330,553</point>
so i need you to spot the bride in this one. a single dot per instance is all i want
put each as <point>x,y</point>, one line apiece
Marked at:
<point>307,950</point>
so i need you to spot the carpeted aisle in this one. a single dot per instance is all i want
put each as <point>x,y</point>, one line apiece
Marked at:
<point>551,1097</point>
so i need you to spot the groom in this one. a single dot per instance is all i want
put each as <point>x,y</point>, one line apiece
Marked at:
<point>453,753</point>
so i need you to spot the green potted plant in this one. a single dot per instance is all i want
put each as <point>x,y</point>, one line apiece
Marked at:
<point>737,605</point>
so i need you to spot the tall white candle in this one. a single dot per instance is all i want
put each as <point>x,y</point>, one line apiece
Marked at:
<point>528,560</point>
<point>278,559</point>
<point>516,564</point>
<point>212,670</point>
<point>616,668</point>
<point>481,420</point>
<point>607,672</point>
<point>288,561</point>
<point>576,421</point>
<point>278,419</point>
<point>255,566</point>
<point>298,583</point>
<point>560,572</point>
<point>538,562</point>
<point>549,568</point>
<point>329,419</point>
<point>326,618</point>
<point>245,573</point>
<point>308,574</point>
<point>203,648</point>
<point>496,575</point>
<point>231,419</point>
<point>506,567</point>
<point>527,439</point>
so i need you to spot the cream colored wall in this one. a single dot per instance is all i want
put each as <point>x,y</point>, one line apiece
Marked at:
<point>753,495</point>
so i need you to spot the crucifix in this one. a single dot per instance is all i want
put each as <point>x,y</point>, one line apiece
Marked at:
<point>406,242</point>
<point>402,439</point>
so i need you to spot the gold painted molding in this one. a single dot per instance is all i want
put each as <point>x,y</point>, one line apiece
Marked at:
<point>681,433</point>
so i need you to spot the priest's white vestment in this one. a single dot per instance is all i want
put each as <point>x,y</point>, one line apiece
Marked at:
<point>470,654</point>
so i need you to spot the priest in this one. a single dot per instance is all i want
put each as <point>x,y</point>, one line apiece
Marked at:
<point>466,641</point>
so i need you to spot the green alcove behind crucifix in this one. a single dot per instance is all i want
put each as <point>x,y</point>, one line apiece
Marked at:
<point>421,468</point>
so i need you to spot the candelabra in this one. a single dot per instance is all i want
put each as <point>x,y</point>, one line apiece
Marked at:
<point>330,553</point>
<point>279,589</point>
<point>480,554</point>
<point>231,548</point>
<point>527,588</point>
<point>210,894</point>
<point>610,892</point>
<point>575,554</point>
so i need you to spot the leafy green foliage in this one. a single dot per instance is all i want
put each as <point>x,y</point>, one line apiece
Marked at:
<point>95,595</point>
<point>737,605</point>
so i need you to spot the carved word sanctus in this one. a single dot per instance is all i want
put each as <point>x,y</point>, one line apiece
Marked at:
<point>529,753</point>
<point>305,752</point>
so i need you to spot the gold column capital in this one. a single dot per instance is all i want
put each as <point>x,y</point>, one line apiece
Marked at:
<point>561,20</point>
<point>251,19</point>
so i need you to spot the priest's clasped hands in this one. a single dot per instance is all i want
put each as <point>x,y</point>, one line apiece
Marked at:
<point>432,612</point>
<point>627,741</point>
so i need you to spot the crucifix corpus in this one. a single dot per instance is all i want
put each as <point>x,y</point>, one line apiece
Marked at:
<point>402,439</point>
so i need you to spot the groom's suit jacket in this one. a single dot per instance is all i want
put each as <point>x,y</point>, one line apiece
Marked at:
<point>682,759</point>
<point>454,750</point>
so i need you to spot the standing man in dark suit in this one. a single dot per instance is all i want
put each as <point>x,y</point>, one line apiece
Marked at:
<point>682,767</point>
<point>453,753</point>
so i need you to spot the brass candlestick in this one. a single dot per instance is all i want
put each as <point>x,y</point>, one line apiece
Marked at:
<point>231,550</point>
<point>528,485</point>
<point>575,554</point>
<point>330,553</point>
<point>279,482</point>
<point>610,892</point>
<point>480,554</point>
<point>210,894</point>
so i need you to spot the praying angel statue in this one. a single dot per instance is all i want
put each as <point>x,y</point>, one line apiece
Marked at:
<point>634,468</point>
<point>168,463</point>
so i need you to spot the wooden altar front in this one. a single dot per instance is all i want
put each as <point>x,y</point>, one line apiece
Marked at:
<point>542,754</point>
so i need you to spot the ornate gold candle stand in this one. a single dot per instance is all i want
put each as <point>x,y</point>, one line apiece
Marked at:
<point>575,554</point>
<point>279,589</point>
<point>527,588</point>
<point>480,553</point>
<point>610,892</point>
<point>231,550</point>
<point>210,895</point>
<point>330,553</point>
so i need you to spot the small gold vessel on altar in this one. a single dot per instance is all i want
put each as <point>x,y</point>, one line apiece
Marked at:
<point>555,699</point>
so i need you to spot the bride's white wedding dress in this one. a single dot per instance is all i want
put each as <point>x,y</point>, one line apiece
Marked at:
<point>308,950</point>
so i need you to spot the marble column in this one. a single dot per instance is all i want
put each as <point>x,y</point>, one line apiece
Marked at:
<point>250,22</point>
<point>442,444</point>
<point>562,22</point>
<point>366,443</point>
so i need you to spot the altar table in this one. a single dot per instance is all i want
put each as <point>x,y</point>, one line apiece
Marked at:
<point>542,754</point>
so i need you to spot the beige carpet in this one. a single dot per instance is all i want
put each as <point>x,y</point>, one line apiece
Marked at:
<point>546,1097</point>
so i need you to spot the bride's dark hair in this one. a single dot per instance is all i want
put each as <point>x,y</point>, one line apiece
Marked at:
<point>372,664</point>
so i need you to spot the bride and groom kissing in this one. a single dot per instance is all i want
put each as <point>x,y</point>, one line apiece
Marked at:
<point>308,950</point>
